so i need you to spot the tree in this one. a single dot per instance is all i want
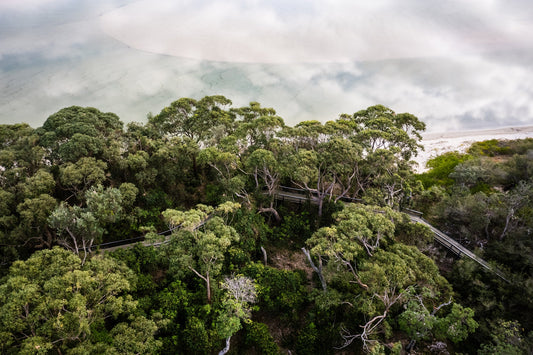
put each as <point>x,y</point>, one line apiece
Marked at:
<point>328,171</point>
<point>393,276</point>
<point>389,179</point>
<point>78,227</point>
<point>420,323</point>
<point>241,292</point>
<point>360,249</point>
<point>199,241</point>
<point>379,127</point>
<point>264,167</point>
<point>227,165</point>
<point>507,339</point>
<point>75,132</point>
<point>195,119</point>
<point>33,223</point>
<point>440,168</point>
<point>257,126</point>
<point>79,176</point>
<point>359,229</point>
<point>19,152</point>
<point>51,302</point>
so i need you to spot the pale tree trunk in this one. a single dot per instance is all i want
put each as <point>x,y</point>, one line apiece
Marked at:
<point>318,269</point>
<point>207,281</point>
<point>226,349</point>
<point>264,255</point>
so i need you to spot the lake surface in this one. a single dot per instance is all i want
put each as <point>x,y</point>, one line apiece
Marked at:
<point>66,53</point>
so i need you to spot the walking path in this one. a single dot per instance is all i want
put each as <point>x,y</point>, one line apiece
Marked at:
<point>300,195</point>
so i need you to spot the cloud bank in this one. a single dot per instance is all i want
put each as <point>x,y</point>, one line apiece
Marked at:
<point>455,64</point>
<point>319,30</point>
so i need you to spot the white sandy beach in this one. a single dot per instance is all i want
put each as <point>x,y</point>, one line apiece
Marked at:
<point>438,143</point>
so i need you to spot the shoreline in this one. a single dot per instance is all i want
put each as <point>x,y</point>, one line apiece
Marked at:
<point>438,143</point>
<point>473,133</point>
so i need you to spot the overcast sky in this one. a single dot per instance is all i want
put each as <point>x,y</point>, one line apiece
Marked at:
<point>465,64</point>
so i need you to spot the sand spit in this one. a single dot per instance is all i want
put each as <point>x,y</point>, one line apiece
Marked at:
<point>438,143</point>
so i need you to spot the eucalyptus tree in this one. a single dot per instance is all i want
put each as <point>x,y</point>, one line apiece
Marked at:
<point>236,306</point>
<point>194,119</point>
<point>266,171</point>
<point>358,230</point>
<point>360,249</point>
<point>256,126</point>
<point>53,302</point>
<point>304,135</point>
<point>24,210</point>
<point>78,177</point>
<point>75,132</point>
<point>79,228</point>
<point>228,168</point>
<point>390,180</point>
<point>174,165</point>
<point>328,170</point>
<point>199,241</point>
<point>379,127</point>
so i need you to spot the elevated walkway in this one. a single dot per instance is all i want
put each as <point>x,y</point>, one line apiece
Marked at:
<point>300,195</point>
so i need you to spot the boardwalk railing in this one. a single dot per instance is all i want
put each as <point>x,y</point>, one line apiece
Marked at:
<point>298,195</point>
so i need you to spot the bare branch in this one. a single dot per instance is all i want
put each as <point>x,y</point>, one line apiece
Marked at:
<point>198,274</point>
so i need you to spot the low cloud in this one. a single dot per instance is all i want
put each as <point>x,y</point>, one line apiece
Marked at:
<point>327,30</point>
<point>452,64</point>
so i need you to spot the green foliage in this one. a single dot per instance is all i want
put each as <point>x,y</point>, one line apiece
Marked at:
<point>416,320</point>
<point>76,132</point>
<point>200,242</point>
<point>415,234</point>
<point>279,291</point>
<point>78,228</point>
<point>507,339</point>
<point>491,148</point>
<point>236,304</point>
<point>196,338</point>
<point>294,229</point>
<point>440,168</point>
<point>81,179</point>
<point>258,337</point>
<point>78,177</point>
<point>51,301</point>
<point>456,325</point>
<point>192,118</point>
<point>306,342</point>
<point>136,336</point>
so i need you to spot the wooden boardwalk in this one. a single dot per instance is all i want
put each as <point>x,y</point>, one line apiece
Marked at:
<point>298,195</point>
<point>454,246</point>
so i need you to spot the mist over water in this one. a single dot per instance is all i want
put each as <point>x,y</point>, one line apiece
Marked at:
<point>60,53</point>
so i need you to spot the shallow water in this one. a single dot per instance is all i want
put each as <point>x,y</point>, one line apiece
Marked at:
<point>63,57</point>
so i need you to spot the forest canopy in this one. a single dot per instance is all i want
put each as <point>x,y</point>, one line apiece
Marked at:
<point>212,228</point>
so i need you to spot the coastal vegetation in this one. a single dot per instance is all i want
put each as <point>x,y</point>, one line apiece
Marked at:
<point>172,236</point>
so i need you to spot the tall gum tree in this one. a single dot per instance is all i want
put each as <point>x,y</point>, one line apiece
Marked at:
<point>194,119</point>
<point>79,228</point>
<point>256,126</point>
<point>75,132</point>
<point>379,127</point>
<point>199,241</point>
<point>327,171</point>
<point>53,303</point>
